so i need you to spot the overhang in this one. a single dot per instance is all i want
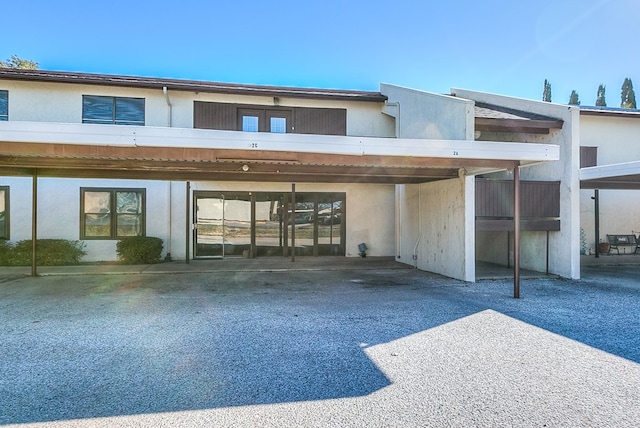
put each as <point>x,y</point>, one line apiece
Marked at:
<point>613,176</point>
<point>493,118</point>
<point>111,151</point>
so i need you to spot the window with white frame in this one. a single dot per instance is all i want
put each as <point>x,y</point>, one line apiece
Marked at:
<point>111,213</point>
<point>4,212</point>
<point>4,105</point>
<point>112,110</point>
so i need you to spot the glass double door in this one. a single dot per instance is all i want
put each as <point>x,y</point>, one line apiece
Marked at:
<point>251,224</point>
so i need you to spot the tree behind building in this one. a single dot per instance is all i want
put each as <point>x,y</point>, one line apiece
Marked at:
<point>628,96</point>
<point>546,93</point>
<point>600,101</point>
<point>16,62</point>
<point>574,99</point>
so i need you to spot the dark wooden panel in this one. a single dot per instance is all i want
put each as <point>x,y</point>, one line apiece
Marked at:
<point>219,116</point>
<point>588,156</point>
<point>323,121</point>
<point>306,120</point>
<point>494,198</point>
<point>540,198</point>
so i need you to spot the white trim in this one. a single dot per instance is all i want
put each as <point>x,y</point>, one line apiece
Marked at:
<point>611,170</point>
<point>146,136</point>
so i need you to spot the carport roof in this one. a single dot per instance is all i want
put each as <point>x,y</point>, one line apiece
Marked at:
<point>613,176</point>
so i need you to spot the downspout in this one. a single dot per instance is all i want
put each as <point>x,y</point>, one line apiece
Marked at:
<point>165,91</point>
<point>167,258</point>
<point>415,248</point>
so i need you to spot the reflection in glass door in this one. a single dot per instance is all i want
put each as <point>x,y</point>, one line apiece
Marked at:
<point>318,219</point>
<point>269,224</point>
<point>222,224</point>
<point>261,224</point>
<point>331,227</point>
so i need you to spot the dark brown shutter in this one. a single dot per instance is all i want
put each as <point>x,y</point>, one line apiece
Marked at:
<point>494,198</point>
<point>325,121</point>
<point>214,116</point>
<point>588,156</point>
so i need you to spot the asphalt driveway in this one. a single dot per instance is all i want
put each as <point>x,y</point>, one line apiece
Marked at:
<point>377,347</point>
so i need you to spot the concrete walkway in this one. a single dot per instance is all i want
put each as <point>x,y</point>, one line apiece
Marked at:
<point>262,264</point>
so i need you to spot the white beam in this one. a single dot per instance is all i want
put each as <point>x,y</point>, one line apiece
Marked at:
<point>146,136</point>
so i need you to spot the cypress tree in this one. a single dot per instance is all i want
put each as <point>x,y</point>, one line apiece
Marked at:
<point>628,96</point>
<point>574,99</point>
<point>600,101</point>
<point>546,93</point>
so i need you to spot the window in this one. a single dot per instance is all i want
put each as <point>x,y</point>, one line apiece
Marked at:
<point>111,213</point>
<point>278,125</point>
<point>4,105</point>
<point>4,212</point>
<point>250,123</point>
<point>112,110</point>
<point>264,120</point>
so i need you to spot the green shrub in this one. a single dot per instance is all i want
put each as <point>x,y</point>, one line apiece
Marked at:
<point>5,253</point>
<point>139,250</point>
<point>49,252</point>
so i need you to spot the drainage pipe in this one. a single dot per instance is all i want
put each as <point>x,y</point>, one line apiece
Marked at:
<point>34,222</point>
<point>516,231</point>
<point>187,220</point>
<point>165,91</point>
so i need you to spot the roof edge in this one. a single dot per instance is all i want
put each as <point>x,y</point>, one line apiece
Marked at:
<point>187,85</point>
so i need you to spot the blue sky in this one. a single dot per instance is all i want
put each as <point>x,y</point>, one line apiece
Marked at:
<point>501,46</point>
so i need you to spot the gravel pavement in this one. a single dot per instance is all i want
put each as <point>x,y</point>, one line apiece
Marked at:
<point>375,348</point>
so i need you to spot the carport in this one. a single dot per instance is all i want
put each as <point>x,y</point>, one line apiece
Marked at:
<point>620,176</point>
<point>64,150</point>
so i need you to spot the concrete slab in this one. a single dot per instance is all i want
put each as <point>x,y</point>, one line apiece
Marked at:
<point>368,347</point>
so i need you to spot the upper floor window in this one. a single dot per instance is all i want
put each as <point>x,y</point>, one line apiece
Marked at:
<point>111,213</point>
<point>112,110</point>
<point>4,212</point>
<point>4,105</point>
<point>264,120</point>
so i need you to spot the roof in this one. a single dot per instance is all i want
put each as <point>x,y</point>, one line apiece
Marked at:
<point>491,111</point>
<point>609,111</point>
<point>494,118</point>
<point>187,85</point>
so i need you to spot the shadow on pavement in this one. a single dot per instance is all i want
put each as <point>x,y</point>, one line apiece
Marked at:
<point>96,346</point>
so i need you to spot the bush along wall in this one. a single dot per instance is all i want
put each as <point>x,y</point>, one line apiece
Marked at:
<point>139,250</point>
<point>49,252</point>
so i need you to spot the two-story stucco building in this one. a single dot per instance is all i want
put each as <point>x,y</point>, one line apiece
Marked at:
<point>224,170</point>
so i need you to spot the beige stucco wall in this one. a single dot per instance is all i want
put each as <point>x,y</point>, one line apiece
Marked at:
<point>59,210</point>
<point>370,211</point>
<point>58,102</point>
<point>434,234</point>
<point>428,115</point>
<point>618,141</point>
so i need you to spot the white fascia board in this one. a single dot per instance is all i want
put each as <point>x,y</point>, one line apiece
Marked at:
<point>66,133</point>
<point>611,170</point>
<point>144,136</point>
